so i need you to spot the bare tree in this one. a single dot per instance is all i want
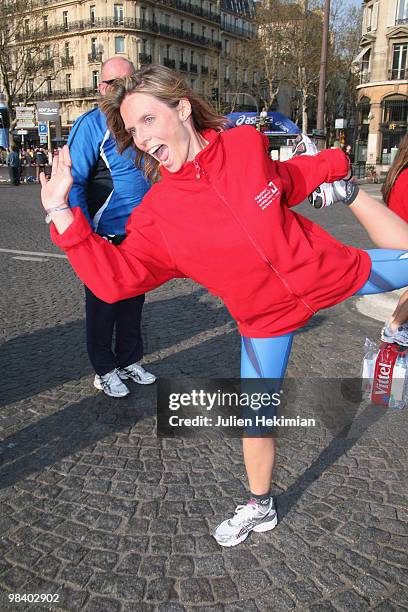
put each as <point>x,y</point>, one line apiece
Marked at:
<point>26,61</point>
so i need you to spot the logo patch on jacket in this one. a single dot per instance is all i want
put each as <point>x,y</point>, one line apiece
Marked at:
<point>267,196</point>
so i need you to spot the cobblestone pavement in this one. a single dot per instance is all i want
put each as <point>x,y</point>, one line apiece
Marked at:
<point>96,509</point>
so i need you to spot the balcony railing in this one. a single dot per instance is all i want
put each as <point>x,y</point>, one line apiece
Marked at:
<point>193,68</point>
<point>106,23</point>
<point>246,32</point>
<point>60,94</point>
<point>67,61</point>
<point>401,21</point>
<point>95,58</point>
<point>47,64</point>
<point>177,4</point>
<point>170,63</point>
<point>396,74</point>
<point>145,58</point>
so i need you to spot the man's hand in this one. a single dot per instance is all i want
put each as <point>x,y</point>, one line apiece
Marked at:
<point>55,191</point>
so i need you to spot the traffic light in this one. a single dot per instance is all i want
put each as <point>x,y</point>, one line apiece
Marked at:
<point>214,94</point>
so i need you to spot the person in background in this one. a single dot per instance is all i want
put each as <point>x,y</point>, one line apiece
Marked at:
<point>107,187</point>
<point>25,165</point>
<point>13,162</point>
<point>395,189</point>
<point>41,161</point>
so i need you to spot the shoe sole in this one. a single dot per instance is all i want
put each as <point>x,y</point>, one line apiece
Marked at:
<point>267,526</point>
<point>100,388</point>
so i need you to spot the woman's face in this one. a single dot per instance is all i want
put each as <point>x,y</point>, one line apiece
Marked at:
<point>164,133</point>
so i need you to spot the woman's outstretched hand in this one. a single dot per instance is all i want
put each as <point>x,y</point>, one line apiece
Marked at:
<point>55,190</point>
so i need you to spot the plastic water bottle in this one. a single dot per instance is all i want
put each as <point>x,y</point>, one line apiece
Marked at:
<point>398,395</point>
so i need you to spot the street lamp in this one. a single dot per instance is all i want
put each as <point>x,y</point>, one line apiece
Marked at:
<point>244,93</point>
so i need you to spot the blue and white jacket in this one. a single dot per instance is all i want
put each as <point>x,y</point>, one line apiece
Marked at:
<point>107,186</point>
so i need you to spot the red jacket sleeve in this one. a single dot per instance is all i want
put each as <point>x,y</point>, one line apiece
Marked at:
<point>141,263</point>
<point>302,174</point>
<point>398,200</point>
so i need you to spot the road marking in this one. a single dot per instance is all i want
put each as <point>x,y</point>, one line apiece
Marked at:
<point>36,254</point>
<point>30,258</point>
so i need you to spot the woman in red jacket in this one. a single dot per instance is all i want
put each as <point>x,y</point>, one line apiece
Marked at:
<point>395,188</point>
<point>220,213</point>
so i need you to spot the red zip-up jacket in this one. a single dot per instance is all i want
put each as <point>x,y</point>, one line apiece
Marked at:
<point>398,200</point>
<point>224,220</point>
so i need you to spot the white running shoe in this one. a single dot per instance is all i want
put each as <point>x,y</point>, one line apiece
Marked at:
<point>397,336</point>
<point>136,373</point>
<point>246,519</point>
<point>323,195</point>
<point>303,145</point>
<point>111,384</point>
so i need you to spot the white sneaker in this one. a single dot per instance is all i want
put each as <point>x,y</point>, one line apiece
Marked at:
<point>250,517</point>
<point>111,384</point>
<point>137,373</point>
<point>399,335</point>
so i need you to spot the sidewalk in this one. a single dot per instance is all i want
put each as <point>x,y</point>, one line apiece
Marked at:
<point>96,509</point>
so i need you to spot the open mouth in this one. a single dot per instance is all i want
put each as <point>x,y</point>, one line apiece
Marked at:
<point>160,152</point>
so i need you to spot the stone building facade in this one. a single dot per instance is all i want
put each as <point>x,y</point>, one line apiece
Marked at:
<point>383,89</point>
<point>202,39</point>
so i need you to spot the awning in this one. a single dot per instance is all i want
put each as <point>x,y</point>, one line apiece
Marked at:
<point>359,57</point>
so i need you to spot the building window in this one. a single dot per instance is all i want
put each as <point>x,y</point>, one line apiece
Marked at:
<point>245,75</point>
<point>226,45</point>
<point>26,26</point>
<point>365,67</point>
<point>93,47</point>
<point>203,31</point>
<point>66,49</point>
<point>92,14</point>
<point>49,85</point>
<point>182,25</point>
<point>95,79</point>
<point>182,57</point>
<point>118,14</point>
<point>45,22</point>
<point>65,20</point>
<point>47,52</point>
<point>399,61</point>
<point>403,11</point>
<point>143,14</point>
<point>30,85</point>
<point>192,28</point>
<point>119,44</point>
<point>168,51</point>
<point>68,83</point>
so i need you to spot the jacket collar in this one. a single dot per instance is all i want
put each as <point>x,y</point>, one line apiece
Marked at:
<point>208,159</point>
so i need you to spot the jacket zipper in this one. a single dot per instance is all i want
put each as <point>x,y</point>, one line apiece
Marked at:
<point>199,171</point>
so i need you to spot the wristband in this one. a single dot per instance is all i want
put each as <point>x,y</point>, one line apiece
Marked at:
<point>51,210</point>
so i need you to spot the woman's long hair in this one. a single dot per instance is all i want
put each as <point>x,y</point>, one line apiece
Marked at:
<point>168,87</point>
<point>399,164</point>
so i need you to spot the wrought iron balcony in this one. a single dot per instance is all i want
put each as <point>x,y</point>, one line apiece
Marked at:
<point>47,64</point>
<point>233,29</point>
<point>107,23</point>
<point>60,94</point>
<point>170,63</point>
<point>145,58</point>
<point>67,61</point>
<point>95,58</point>
<point>193,68</point>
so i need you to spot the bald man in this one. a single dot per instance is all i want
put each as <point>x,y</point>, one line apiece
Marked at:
<point>107,186</point>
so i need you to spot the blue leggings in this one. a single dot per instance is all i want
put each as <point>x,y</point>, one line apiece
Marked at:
<point>268,357</point>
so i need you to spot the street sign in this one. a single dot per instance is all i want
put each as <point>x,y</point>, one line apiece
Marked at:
<point>47,111</point>
<point>25,112</point>
<point>24,124</point>
<point>42,128</point>
<point>43,138</point>
<point>22,132</point>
